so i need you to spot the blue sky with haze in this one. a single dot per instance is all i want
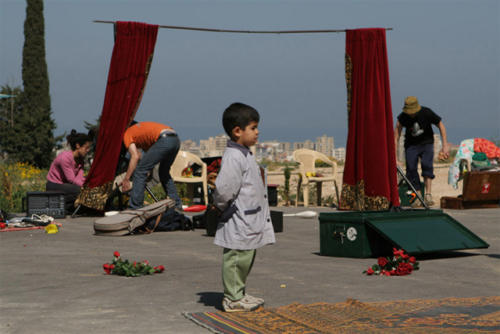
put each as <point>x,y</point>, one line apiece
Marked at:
<point>445,52</point>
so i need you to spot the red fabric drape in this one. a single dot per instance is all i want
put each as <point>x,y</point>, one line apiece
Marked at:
<point>132,55</point>
<point>370,180</point>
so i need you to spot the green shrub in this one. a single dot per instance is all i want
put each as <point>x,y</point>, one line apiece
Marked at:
<point>16,179</point>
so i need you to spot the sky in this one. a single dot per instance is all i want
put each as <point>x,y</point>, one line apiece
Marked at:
<point>445,52</point>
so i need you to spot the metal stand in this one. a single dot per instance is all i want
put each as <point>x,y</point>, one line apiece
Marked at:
<point>412,187</point>
<point>151,193</point>
<point>76,211</point>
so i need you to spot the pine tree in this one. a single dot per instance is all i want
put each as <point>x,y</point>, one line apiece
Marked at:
<point>34,125</point>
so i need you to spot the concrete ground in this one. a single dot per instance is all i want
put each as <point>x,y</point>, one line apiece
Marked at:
<point>55,283</point>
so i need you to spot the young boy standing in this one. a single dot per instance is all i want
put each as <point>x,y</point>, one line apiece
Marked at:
<point>241,196</point>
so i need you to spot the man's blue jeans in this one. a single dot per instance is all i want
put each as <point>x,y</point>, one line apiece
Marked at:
<point>164,152</point>
<point>426,154</point>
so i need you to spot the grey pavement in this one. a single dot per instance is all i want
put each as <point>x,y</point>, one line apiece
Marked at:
<point>55,283</point>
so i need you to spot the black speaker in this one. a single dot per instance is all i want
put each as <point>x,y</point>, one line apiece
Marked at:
<point>277,220</point>
<point>48,203</point>
<point>272,194</point>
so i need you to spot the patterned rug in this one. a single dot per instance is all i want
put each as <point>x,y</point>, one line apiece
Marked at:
<point>451,315</point>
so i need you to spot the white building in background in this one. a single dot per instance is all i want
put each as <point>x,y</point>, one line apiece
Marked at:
<point>273,150</point>
<point>305,144</point>
<point>187,145</point>
<point>325,145</point>
<point>213,146</point>
<point>297,145</point>
<point>285,147</point>
<point>221,142</point>
<point>309,145</point>
<point>339,154</point>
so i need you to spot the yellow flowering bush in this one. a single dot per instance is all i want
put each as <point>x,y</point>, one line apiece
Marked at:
<point>16,179</point>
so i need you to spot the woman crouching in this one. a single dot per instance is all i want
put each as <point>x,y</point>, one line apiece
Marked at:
<point>66,171</point>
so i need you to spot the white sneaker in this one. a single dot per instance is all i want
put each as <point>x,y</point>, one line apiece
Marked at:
<point>242,305</point>
<point>257,300</point>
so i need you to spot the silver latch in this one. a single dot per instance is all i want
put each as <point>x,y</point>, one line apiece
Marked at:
<point>340,233</point>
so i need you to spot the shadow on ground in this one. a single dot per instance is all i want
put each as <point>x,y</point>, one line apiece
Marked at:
<point>437,255</point>
<point>210,298</point>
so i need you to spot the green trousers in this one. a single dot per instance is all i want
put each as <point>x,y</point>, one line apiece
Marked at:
<point>236,266</point>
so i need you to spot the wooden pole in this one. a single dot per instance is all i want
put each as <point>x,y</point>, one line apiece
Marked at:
<point>246,31</point>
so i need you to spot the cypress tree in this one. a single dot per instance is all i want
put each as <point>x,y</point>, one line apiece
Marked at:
<point>34,125</point>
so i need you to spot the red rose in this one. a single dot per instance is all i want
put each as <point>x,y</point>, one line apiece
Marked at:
<point>397,252</point>
<point>404,269</point>
<point>382,261</point>
<point>369,271</point>
<point>3,225</point>
<point>405,256</point>
<point>159,269</point>
<point>106,268</point>
<point>387,273</point>
<point>111,266</point>
<point>116,254</point>
<point>412,259</point>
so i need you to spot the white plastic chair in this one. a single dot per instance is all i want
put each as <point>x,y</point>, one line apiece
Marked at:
<point>183,160</point>
<point>307,170</point>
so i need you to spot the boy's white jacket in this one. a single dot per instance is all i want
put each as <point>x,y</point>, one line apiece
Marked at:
<point>242,196</point>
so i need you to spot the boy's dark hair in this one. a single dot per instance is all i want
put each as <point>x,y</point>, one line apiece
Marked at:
<point>238,114</point>
<point>77,138</point>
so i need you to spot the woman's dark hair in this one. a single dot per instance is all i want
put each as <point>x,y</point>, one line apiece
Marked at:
<point>238,114</point>
<point>77,138</point>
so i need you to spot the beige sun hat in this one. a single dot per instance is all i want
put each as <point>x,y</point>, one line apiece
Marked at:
<point>411,105</point>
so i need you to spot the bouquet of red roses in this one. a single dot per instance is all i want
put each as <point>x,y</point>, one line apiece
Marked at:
<point>125,268</point>
<point>399,264</point>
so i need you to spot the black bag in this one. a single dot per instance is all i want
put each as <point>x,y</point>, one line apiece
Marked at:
<point>170,220</point>
<point>4,216</point>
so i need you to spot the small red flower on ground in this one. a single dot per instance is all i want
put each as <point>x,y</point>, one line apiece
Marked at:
<point>124,267</point>
<point>397,252</point>
<point>382,261</point>
<point>107,268</point>
<point>399,264</point>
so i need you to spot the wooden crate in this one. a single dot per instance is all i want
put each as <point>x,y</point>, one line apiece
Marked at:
<point>480,190</point>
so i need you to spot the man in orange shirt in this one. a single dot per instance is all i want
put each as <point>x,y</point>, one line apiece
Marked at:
<point>159,144</point>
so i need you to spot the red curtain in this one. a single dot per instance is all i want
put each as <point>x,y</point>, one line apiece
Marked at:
<point>370,180</point>
<point>129,68</point>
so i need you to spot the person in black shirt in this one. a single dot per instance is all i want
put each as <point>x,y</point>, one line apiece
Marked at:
<point>419,142</point>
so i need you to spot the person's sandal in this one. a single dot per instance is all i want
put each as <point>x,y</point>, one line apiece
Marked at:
<point>428,200</point>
